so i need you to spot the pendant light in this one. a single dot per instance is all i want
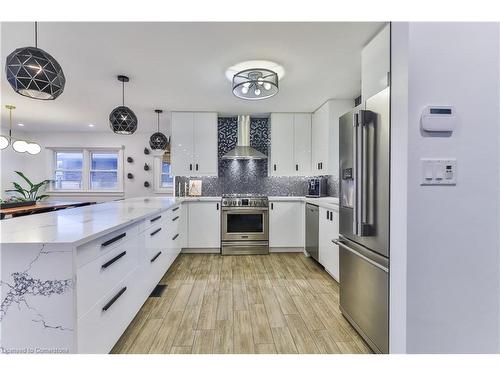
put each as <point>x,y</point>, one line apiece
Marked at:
<point>34,73</point>
<point>158,140</point>
<point>122,119</point>
<point>18,145</point>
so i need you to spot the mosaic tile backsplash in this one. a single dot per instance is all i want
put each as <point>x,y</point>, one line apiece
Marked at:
<point>250,176</point>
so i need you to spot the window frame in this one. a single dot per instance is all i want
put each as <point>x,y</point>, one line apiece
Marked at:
<point>86,170</point>
<point>158,171</point>
<point>55,169</point>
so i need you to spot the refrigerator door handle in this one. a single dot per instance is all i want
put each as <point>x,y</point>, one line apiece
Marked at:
<point>367,173</point>
<point>355,173</point>
<point>342,244</point>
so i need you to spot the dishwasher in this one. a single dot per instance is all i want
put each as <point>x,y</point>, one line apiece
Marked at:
<point>312,230</point>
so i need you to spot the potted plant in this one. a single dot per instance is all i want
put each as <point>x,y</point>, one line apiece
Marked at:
<point>27,196</point>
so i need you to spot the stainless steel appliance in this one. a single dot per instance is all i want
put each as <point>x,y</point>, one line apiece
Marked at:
<point>364,219</point>
<point>245,225</point>
<point>243,150</point>
<point>312,230</point>
<point>316,187</point>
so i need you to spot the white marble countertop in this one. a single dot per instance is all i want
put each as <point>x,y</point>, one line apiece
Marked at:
<point>78,225</point>
<point>326,202</point>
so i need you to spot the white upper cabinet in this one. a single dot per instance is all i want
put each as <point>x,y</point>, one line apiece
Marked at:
<point>375,64</point>
<point>290,144</point>
<point>194,144</point>
<point>325,136</point>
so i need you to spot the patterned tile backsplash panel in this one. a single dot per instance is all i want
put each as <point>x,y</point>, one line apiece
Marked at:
<point>250,176</point>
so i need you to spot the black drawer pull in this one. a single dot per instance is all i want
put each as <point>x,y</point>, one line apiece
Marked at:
<point>296,167</point>
<point>113,300</point>
<point>114,239</point>
<point>175,209</point>
<point>154,219</point>
<point>154,232</point>
<point>175,218</point>
<point>111,261</point>
<point>174,237</point>
<point>156,256</point>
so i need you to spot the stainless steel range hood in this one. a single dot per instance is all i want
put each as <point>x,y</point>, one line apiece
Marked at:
<point>243,149</point>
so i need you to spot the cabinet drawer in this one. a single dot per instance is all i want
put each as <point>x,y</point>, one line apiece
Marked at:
<point>102,326</point>
<point>97,278</point>
<point>155,220</point>
<point>100,246</point>
<point>156,237</point>
<point>156,267</point>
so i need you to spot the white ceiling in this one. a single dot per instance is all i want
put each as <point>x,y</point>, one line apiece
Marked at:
<point>180,66</point>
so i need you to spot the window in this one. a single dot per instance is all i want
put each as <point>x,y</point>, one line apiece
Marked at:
<point>88,170</point>
<point>166,181</point>
<point>68,170</point>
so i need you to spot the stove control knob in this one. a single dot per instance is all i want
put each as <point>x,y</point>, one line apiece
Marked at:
<point>224,203</point>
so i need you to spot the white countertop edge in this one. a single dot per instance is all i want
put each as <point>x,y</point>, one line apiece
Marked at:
<point>325,202</point>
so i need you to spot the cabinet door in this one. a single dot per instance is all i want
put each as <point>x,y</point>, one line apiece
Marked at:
<point>205,144</point>
<point>286,224</point>
<point>182,143</point>
<point>302,144</point>
<point>328,251</point>
<point>204,224</point>
<point>320,139</point>
<point>282,142</point>
<point>375,64</point>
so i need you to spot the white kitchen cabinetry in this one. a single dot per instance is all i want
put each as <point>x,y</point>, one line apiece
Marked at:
<point>375,64</point>
<point>328,231</point>
<point>203,225</point>
<point>286,224</point>
<point>325,136</point>
<point>290,144</point>
<point>194,144</point>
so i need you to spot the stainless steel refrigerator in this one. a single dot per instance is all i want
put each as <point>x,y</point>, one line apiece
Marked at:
<point>364,219</point>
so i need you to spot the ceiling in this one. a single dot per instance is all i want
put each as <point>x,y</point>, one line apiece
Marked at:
<point>181,66</point>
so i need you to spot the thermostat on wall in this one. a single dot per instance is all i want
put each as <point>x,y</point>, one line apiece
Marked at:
<point>438,119</point>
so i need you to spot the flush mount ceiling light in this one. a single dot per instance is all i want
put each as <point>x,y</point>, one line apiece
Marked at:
<point>34,73</point>
<point>18,145</point>
<point>158,140</point>
<point>255,79</point>
<point>122,119</point>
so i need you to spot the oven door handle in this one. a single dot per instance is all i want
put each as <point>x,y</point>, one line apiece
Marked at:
<point>245,210</point>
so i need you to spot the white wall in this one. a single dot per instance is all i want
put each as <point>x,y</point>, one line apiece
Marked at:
<point>36,167</point>
<point>452,245</point>
<point>11,161</point>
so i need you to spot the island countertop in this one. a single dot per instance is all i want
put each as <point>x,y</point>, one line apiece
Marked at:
<point>82,224</point>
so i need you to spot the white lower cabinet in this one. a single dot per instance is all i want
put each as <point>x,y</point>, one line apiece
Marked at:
<point>203,225</point>
<point>286,224</point>
<point>112,287</point>
<point>328,231</point>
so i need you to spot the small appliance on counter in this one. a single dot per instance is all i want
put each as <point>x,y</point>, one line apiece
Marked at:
<point>316,187</point>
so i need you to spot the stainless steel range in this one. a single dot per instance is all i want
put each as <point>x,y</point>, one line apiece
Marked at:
<point>245,225</point>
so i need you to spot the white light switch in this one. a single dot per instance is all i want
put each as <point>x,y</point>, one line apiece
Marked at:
<point>439,171</point>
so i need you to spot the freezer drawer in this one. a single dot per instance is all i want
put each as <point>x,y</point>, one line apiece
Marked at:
<point>364,293</point>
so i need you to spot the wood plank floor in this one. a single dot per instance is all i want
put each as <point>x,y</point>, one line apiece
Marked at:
<point>277,303</point>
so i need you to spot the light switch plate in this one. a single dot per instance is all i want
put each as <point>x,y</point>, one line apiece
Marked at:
<point>438,171</point>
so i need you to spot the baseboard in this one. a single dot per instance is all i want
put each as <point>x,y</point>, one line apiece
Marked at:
<point>201,250</point>
<point>286,249</point>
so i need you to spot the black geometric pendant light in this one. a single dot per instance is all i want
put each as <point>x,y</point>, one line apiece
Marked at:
<point>122,119</point>
<point>34,73</point>
<point>158,140</point>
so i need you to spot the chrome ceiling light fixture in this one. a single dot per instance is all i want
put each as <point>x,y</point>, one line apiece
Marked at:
<point>158,141</point>
<point>34,73</point>
<point>18,145</point>
<point>122,119</point>
<point>255,84</point>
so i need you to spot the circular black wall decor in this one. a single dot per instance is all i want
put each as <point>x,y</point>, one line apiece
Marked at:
<point>146,151</point>
<point>146,184</point>
<point>122,119</point>
<point>130,176</point>
<point>130,159</point>
<point>34,73</point>
<point>146,167</point>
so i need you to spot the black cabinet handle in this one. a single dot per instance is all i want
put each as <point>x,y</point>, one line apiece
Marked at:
<point>318,166</point>
<point>296,167</point>
<point>114,239</point>
<point>175,218</point>
<point>327,215</point>
<point>154,232</point>
<point>174,237</point>
<point>196,166</point>
<point>175,209</point>
<point>272,206</point>
<point>154,219</point>
<point>274,166</point>
<point>217,206</point>
<point>190,167</point>
<point>111,261</point>
<point>156,256</point>
<point>113,300</point>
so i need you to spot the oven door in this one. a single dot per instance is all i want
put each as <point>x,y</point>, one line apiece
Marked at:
<point>245,224</point>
